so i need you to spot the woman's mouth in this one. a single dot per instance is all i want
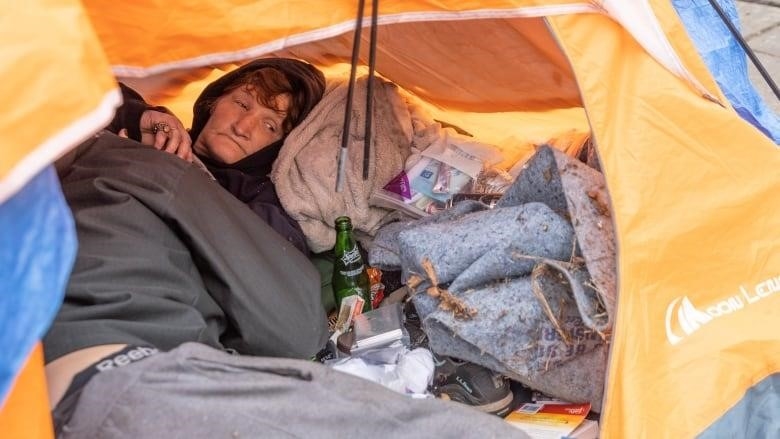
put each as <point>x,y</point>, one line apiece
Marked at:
<point>237,143</point>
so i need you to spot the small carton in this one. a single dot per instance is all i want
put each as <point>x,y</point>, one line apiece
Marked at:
<point>553,421</point>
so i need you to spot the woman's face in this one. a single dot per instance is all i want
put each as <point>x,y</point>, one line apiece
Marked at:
<point>240,125</point>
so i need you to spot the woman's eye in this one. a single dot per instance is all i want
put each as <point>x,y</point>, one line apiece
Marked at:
<point>242,105</point>
<point>271,127</point>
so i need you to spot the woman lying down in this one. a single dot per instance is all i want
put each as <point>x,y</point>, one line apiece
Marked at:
<point>192,306</point>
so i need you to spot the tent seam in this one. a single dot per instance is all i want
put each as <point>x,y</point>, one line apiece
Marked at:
<point>346,26</point>
<point>55,146</point>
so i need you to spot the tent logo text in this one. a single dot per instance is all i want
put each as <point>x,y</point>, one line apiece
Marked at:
<point>683,318</point>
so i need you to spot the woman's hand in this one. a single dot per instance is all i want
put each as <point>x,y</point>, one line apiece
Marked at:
<point>165,132</point>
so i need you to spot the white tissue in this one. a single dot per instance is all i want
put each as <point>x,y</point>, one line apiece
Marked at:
<point>411,375</point>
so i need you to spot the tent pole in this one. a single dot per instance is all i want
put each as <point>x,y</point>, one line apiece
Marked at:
<point>342,160</point>
<point>735,32</point>
<point>370,88</point>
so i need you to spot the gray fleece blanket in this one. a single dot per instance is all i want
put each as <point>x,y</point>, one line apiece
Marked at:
<point>527,288</point>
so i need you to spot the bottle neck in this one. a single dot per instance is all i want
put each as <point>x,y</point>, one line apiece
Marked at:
<point>345,226</point>
<point>343,223</point>
<point>344,241</point>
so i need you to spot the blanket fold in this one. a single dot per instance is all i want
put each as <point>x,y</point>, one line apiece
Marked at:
<point>305,171</point>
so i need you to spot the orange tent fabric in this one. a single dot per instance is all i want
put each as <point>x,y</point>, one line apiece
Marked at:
<point>25,413</point>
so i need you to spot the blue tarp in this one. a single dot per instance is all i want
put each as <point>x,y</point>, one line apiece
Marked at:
<point>37,250</point>
<point>754,416</point>
<point>727,60</point>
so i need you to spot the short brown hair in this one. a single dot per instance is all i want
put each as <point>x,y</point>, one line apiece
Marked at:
<point>304,84</point>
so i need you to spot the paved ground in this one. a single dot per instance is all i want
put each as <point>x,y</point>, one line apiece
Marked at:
<point>760,24</point>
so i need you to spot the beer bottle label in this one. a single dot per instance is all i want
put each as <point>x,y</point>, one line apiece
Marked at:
<point>350,256</point>
<point>350,273</point>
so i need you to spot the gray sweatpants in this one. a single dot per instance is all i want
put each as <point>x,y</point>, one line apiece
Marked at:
<point>195,391</point>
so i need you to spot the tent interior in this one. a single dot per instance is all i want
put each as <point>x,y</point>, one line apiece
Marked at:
<point>523,94</point>
<point>515,81</point>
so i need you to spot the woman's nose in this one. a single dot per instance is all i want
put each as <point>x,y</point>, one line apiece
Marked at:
<point>242,125</point>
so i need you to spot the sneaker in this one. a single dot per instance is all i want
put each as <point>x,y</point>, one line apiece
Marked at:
<point>472,384</point>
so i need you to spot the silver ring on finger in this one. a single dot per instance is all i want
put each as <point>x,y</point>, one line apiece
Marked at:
<point>161,126</point>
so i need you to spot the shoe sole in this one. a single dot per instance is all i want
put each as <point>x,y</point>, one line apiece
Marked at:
<point>495,407</point>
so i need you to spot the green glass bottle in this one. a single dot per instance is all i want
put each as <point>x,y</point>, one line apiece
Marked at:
<point>349,272</point>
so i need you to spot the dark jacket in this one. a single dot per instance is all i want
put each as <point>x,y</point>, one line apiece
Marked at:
<point>248,178</point>
<point>166,256</point>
